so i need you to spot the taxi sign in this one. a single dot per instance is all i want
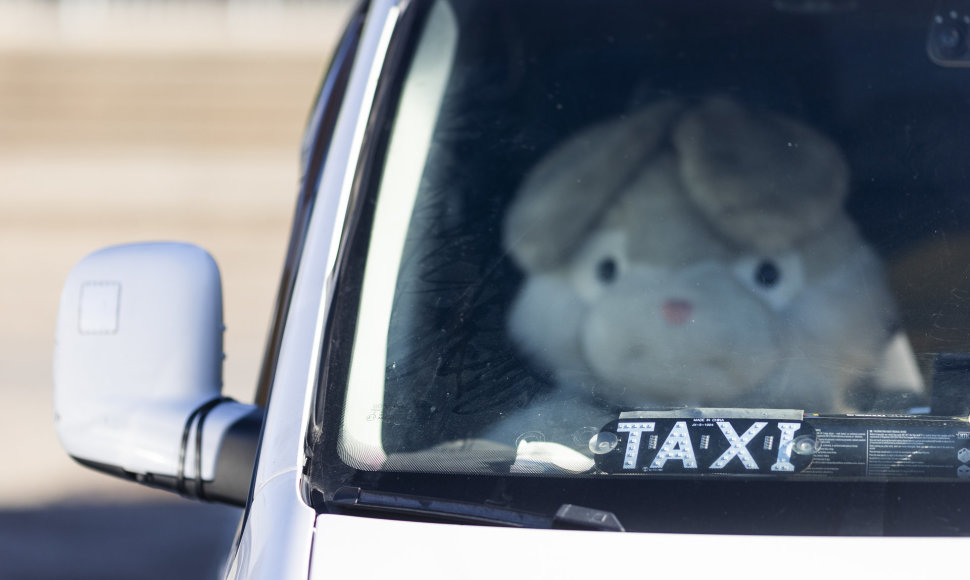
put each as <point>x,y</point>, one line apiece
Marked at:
<point>641,443</point>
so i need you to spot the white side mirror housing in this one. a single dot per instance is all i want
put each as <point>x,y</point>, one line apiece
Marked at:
<point>138,350</point>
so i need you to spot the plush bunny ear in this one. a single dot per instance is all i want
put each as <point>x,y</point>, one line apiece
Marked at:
<point>762,180</point>
<point>567,192</point>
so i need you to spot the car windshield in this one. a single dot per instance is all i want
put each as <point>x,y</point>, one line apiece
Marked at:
<point>637,240</point>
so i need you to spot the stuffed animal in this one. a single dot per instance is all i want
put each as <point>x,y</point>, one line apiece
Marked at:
<point>695,255</point>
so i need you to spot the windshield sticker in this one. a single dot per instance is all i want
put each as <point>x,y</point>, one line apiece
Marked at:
<point>704,445</point>
<point>891,447</point>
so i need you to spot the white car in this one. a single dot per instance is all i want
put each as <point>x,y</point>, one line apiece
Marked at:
<point>772,387</point>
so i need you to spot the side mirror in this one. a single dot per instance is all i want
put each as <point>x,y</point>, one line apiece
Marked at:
<point>138,373</point>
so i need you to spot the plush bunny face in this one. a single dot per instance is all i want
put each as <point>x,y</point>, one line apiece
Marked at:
<point>648,301</point>
<point>644,287</point>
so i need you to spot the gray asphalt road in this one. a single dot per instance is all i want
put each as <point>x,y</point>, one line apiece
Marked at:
<point>151,539</point>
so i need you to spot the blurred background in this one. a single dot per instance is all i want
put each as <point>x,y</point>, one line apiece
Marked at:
<point>135,120</point>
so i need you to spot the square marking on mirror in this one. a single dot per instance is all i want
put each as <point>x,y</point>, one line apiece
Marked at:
<point>99,307</point>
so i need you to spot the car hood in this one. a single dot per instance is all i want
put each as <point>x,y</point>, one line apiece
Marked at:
<point>348,547</point>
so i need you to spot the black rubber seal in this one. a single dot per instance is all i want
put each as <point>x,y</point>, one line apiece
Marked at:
<point>199,413</point>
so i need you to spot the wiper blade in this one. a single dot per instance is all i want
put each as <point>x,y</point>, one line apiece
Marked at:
<point>450,510</point>
<point>568,516</point>
<point>574,517</point>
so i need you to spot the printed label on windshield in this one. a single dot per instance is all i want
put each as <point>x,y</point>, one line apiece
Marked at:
<point>891,447</point>
<point>704,445</point>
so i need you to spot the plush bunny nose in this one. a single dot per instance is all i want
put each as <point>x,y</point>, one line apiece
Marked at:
<point>677,311</point>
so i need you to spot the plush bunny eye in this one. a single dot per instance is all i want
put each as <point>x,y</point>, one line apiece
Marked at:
<point>776,280</point>
<point>599,264</point>
<point>606,270</point>
<point>767,274</point>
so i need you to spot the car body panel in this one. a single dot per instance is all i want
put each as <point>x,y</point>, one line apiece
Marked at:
<point>276,531</point>
<point>299,355</point>
<point>346,546</point>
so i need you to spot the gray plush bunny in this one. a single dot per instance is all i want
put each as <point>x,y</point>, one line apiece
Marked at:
<point>696,256</point>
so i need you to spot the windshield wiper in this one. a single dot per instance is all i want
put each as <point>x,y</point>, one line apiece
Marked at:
<point>568,516</point>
